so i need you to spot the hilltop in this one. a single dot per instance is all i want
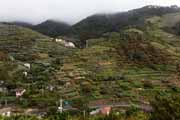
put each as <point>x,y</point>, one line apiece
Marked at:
<point>52,28</point>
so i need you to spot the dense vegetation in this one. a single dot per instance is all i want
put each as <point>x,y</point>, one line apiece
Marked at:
<point>94,26</point>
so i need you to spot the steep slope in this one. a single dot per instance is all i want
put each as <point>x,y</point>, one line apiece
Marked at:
<point>126,67</point>
<point>94,26</point>
<point>19,47</point>
<point>165,33</point>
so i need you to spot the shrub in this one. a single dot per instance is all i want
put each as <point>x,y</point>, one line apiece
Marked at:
<point>59,116</point>
<point>132,110</point>
<point>148,85</point>
<point>166,107</point>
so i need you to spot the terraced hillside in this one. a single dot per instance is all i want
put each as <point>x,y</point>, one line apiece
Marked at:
<point>165,39</point>
<point>129,67</point>
<point>20,47</point>
<point>111,74</point>
<point>17,39</point>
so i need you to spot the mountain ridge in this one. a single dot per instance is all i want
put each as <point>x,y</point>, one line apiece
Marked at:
<point>102,22</point>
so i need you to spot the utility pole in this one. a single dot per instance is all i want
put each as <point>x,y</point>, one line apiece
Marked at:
<point>84,114</point>
<point>60,108</point>
<point>5,102</point>
<point>87,44</point>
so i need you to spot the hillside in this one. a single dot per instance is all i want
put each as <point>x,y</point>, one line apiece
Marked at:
<point>126,66</point>
<point>123,68</point>
<point>19,47</point>
<point>52,28</point>
<point>94,26</point>
<point>17,39</point>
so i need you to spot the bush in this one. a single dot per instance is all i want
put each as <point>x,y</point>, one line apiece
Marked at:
<point>166,107</point>
<point>132,110</point>
<point>59,116</point>
<point>148,85</point>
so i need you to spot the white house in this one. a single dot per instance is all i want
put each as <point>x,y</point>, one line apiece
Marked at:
<point>25,74</point>
<point>28,65</point>
<point>65,43</point>
<point>60,108</point>
<point>70,44</point>
<point>59,40</point>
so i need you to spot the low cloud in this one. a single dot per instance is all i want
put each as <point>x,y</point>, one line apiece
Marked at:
<point>71,11</point>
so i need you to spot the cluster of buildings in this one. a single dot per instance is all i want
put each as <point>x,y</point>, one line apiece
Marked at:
<point>63,106</point>
<point>65,43</point>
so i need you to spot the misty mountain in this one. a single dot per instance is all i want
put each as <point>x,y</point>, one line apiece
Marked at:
<point>95,25</point>
<point>52,28</point>
<point>23,24</point>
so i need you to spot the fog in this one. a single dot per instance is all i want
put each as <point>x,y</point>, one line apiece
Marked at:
<point>71,11</point>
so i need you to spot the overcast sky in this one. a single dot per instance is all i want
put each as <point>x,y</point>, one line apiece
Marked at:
<point>71,11</point>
